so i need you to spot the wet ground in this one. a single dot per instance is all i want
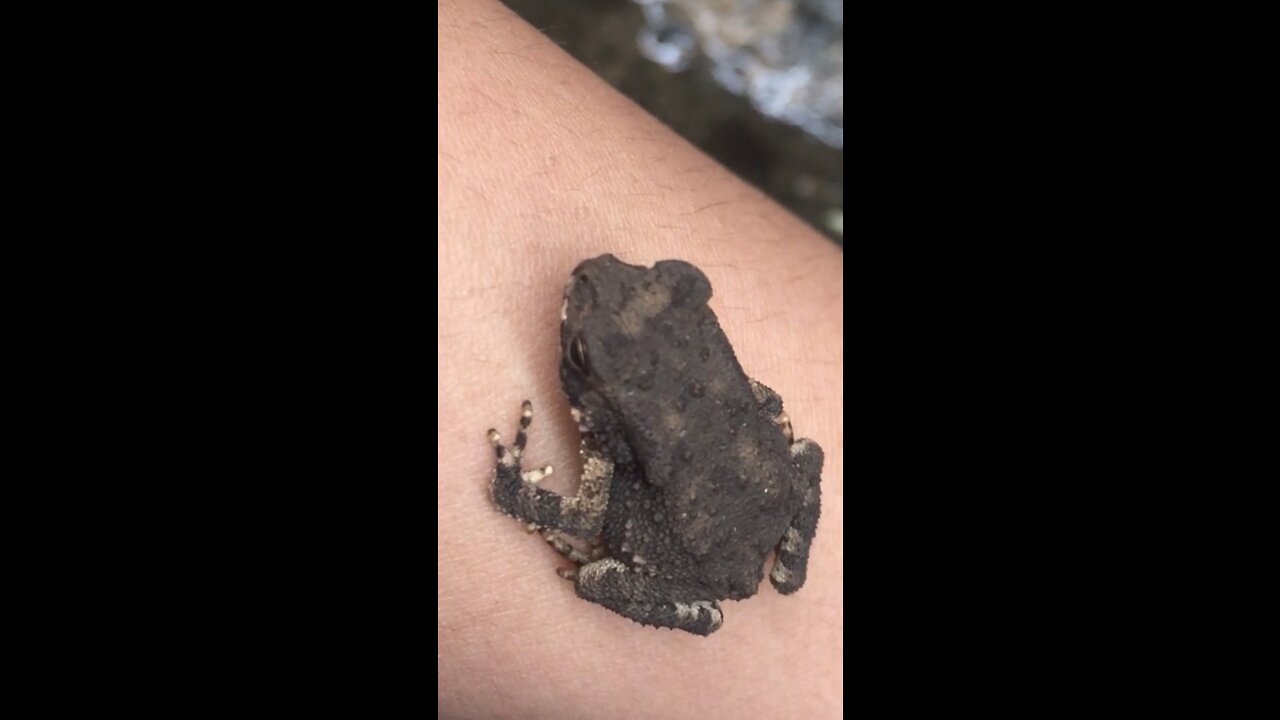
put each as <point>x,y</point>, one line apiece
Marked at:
<point>782,160</point>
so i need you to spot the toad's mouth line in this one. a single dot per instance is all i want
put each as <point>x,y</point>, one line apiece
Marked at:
<point>588,438</point>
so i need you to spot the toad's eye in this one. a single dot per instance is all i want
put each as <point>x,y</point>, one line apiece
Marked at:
<point>578,355</point>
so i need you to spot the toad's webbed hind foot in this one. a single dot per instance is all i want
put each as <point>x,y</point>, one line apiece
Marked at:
<point>646,599</point>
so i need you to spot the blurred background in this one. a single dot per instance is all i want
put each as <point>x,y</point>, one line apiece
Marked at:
<point>757,84</point>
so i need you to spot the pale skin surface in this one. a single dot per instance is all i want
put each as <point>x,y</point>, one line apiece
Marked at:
<point>542,165</point>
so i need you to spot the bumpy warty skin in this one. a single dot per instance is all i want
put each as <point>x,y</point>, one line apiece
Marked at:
<point>691,474</point>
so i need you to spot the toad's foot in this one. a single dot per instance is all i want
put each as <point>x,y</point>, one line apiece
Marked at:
<point>646,599</point>
<point>516,492</point>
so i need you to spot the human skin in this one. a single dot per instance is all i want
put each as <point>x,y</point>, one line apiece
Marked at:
<point>542,165</point>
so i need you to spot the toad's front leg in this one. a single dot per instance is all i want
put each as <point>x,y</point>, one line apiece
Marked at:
<point>518,494</point>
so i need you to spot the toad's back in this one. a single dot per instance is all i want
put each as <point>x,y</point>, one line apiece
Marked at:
<point>707,494</point>
<point>690,471</point>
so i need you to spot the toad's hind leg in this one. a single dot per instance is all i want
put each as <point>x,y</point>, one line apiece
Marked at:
<point>517,493</point>
<point>792,562</point>
<point>771,403</point>
<point>564,548</point>
<point>646,599</point>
